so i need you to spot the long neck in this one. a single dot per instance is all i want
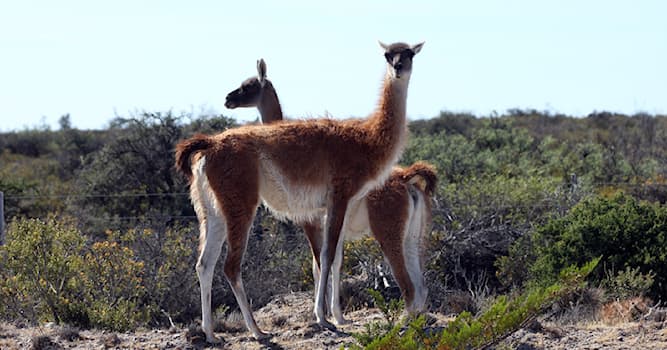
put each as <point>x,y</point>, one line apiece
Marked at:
<point>269,106</point>
<point>389,119</point>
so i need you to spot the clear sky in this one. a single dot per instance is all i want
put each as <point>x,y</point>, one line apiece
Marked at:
<point>99,59</point>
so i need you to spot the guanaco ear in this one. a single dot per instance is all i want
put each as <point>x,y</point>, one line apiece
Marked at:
<point>416,48</point>
<point>383,45</point>
<point>261,71</point>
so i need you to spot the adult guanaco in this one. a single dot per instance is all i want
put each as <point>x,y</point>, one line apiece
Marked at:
<point>400,210</point>
<point>296,168</point>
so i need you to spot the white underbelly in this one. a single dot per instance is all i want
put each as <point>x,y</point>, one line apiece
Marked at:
<point>289,200</point>
<point>302,203</point>
<point>356,223</point>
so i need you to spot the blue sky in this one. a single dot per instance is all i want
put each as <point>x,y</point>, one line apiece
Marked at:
<point>95,60</point>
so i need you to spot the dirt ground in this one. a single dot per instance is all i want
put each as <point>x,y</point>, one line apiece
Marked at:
<point>288,319</point>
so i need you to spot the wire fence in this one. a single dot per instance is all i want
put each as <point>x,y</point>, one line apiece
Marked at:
<point>452,206</point>
<point>81,195</point>
<point>186,194</point>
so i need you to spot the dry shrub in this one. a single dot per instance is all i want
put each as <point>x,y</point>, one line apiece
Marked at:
<point>354,292</point>
<point>111,341</point>
<point>195,336</point>
<point>44,342</point>
<point>69,334</point>
<point>459,301</point>
<point>580,306</point>
<point>232,323</point>
<point>353,295</point>
<point>273,262</point>
<point>626,310</point>
<point>279,320</point>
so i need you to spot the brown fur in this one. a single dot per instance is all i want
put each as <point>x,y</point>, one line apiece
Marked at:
<point>387,206</point>
<point>423,174</point>
<point>324,163</point>
<point>387,211</point>
<point>185,150</point>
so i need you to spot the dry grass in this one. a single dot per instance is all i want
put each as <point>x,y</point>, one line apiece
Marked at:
<point>289,318</point>
<point>111,341</point>
<point>69,334</point>
<point>233,323</point>
<point>623,311</point>
<point>44,342</point>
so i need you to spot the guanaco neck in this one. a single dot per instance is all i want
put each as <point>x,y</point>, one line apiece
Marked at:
<point>269,106</point>
<point>389,120</point>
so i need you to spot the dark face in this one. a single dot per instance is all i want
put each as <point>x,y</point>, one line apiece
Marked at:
<point>247,95</point>
<point>399,56</point>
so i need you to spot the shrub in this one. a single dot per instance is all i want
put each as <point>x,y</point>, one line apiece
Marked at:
<point>624,310</point>
<point>168,257</point>
<point>499,320</point>
<point>137,163</point>
<point>113,287</point>
<point>626,232</point>
<point>629,234</point>
<point>27,183</point>
<point>49,274</point>
<point>274,260</point>
<point>41,261</point>
<point>627,283</point>
<point>390,310</point>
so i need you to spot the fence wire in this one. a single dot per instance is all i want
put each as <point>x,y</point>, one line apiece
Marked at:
<point>451,206</point>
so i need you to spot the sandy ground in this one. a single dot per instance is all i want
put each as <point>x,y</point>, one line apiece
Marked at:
<point>288,319</point>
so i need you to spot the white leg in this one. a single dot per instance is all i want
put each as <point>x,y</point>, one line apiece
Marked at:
<point>335,218</point>
<point>320,293</point>
<point>417,223</point>
<point>316,274</point>
<point>335,285</point>
<point>212,234</point>
<point>314,234</point>
<point>316,281</point>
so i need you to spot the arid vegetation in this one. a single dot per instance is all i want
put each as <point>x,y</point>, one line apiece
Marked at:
<point>101,234</point>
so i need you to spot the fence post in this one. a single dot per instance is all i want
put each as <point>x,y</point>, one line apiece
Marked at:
<point>2,218</point>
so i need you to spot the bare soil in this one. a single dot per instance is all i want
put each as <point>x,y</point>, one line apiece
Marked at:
<point>288,318</point>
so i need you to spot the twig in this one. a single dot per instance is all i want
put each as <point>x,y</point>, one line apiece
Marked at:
<point>171,322</point>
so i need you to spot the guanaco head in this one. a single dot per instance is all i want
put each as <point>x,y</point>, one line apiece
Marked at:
<point>399,58</point>
<point>250,92</point>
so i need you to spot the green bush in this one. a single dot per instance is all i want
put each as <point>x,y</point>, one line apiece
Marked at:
<point>49,268</point>
<point>41,263</point>
<point>363,257</point>
<point>168,257</point>
<point>390,310</point>
<point>507,200</point>
<point>49,273</point>
<point>26,184</point>
<point>113,287</point>
<point>137,163</point>
<point>626,232</point>
<point>627,283</point>
<point>499,320</point>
